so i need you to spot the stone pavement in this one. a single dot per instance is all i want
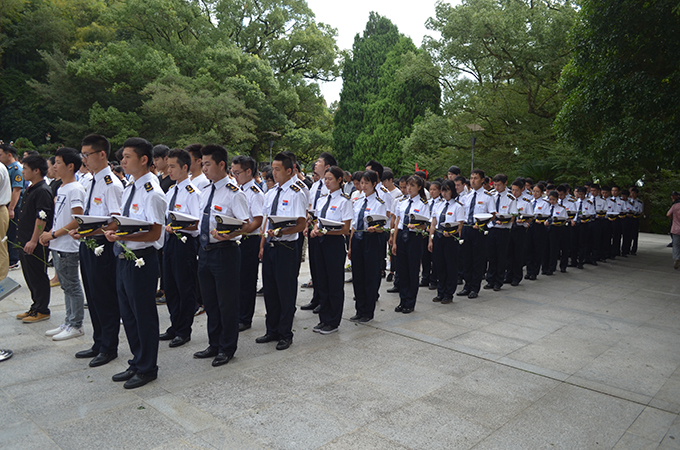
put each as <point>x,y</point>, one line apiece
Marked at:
<point>583,360</point>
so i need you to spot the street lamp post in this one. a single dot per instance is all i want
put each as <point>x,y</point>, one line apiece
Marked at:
<point>272,135</point>
<point>474,128</point>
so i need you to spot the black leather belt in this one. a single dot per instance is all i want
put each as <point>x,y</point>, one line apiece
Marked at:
<point>140,253</point>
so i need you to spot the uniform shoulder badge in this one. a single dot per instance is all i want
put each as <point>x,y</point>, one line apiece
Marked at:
<point>403,197</point>
<point>590,201</point>
<point>384,189</point>
<point>381,201</point>
<point>300,184</point>
<point>458,201</point>
<point>488,193</point>
<point>172,187</point>
<point>255,189</point>
<point>17,178</point>
<point>107,179</point>
<point>232,188</point>
<point>190,189</point>
<point>345,196</point>
<point>526,199</point>
<point>423,199</point>
<point>511,197</point>
<point>148,186</point>
<point>295,187</point>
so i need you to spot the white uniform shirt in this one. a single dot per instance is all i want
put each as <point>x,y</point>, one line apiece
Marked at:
<point>187,201</point>
<point>613,207</point>
<point>228,200</point>
<point>148,204</point>
<point>255,199</point>
<point>5,186</point>
<point>69,196</point>
<point>105,199</point>
<point>292,202</point>
<point>201,182</point>
<point>506,205</point>
<point>600,204</point>
<point>384,194</point>
<point>455,212</point>
<point>569,203</point>
<point>418,205</point>
<point>483,203</point>
<point>587,208</point>
<point>540,206</point>
<point>319,187</point>
<point>339,207</point>
<point>638,206</point>
<point>375,205</point>
<point>524,206</point>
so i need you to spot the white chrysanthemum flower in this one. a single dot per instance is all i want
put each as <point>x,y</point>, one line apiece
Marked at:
<point>485,233</point>
<point>139,262</point>
<point>99,250</point>
<point>3,240</point>
<point>42,214</point>
<point>323,231</point>
<point>462,241</point>
<point>183,239</point>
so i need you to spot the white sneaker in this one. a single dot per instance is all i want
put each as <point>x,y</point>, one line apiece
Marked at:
<point>55,331</point>
<point>68,333</point>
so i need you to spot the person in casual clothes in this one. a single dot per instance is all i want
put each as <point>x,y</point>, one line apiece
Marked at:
<point>8,156</point>
<point>35,217</point>
<point>69,201</point>
<point>674,214</point>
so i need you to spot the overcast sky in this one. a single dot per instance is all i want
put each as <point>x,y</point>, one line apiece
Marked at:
<point>349,17</point>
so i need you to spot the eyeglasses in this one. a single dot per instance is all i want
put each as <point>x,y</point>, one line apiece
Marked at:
<point>87,154</point>
<point>236,172</point>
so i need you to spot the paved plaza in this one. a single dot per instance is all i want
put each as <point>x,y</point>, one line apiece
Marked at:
<point>583,360</point>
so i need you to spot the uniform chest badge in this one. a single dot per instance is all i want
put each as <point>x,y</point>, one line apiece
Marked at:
<point>333,208</point>
<point>416,210</point>
<point>284,202</point>
<point>135,207</point>
<point>218,208</point>
<point>97,201</point>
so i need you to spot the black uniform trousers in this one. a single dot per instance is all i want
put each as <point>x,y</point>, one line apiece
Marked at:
<point>366,254</point>
<point>34,268</point>
<point>555,239</point>
<point>626,234</point>
<point>250,248</point>
<point>564,245</point>
<point>137,301</point>
<point>607,231</point>
<point>409,255</point>
<point>280,277</point>
<point>99,282</point>
<point>429,274</point>
<point>585,242</point>
<point>299,247</point>
<point>537,246</point>
<point>574,237</point>
<point>312,251</point>
<point>516,254</point>
<point>497,254</point>
<point>445,255</point>
<point>634,235</point>
<point>474,258</point>
<point>219,274</point>
<point>179,267</point>
<point>597,230</point>
<point>329,283</point>
<point>616,238</point>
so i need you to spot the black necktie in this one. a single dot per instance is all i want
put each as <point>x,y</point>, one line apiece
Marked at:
<point>407,219</point>
<point>498,203</point>
<point>324,210</point>
<point>89,198</point>
<point>205,224</point>
<point>317,195</point>
<point>552,210</point>
<point>442,216</point>
<point>471,213</point>
<point>275,204</point>
<point>126,209</point>
<point>171,207</point>
<point>360,218</point>
<point>535,201</point>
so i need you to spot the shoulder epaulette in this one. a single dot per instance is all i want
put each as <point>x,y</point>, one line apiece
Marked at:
<point>590,201</point>
<point>381,201</point>
<point>423,199</point>
<point>232,188</point>
<point>148,186</point>
<point>511,197</point>
<point>172,187</point>
<point>190,189</point>
<point>255,189</point>
<point>403,197</point>
<point>384,189</point>
<point>301,184</point>
<point>457,201</point>
<point>295,187</point>
<point>107,179</point>
<point>526,199</point>
<point>345,196</point>
<point>488,193</point>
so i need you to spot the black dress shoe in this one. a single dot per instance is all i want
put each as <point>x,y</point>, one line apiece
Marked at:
<point>179,341</point>
<point>221,359</point>
<point>580,266</point>
<point>393,290</point>
<point>472,294</point>
<point>463,293</point>
<point>139,380</point>
<point>266,338</point>
<point>284,344</point>
<point>89,353</point>
<point>399,308</point>
<point>390,277</point>
<point>317,309</point>
<point>532,277</point>
<point>166,336</point>
<point>103,358</point>
<point>433,286</point>
<point>527,277</point>
<point>407,310</point>
<point>243,326</point>
<point>563,270</point>
<point>447,300</point>
<point>488,286</point>
<point>124,376</point>
<point>207,353</point>
<point>437,299</point>
<point>549,273</point>
<point>514,283</point>
<point>424,283</point>
<point>497,288</point>
<point>355,318</point>
<point>308,307</point>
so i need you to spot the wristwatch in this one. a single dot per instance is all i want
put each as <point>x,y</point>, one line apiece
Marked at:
<point>53,236</point>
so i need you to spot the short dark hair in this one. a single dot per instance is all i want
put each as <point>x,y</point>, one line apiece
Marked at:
<point>285,159</point>
<point>376,167</point>
<point>9,149</point>
<point>293,159</point>
<point>328,159</point>
<point>246,162</point>
<point>29,153</point>
<point>562,188</point>
<point>51,160</point>
<point>142,148</point>
<point>194,150</point>
<point>160,151</point>
<point>387,175</point>
<point>634,189</point>
<point>479,172</point>
<point>118,169</point>
<point>356,176</point>
<point>449,185</point>
<point>36,162</point>
<point>625,192</point>
<point>606,188</point>
<point>370,175</point>
<point>337,173</point>
<point>460,178</point>
<point>503,178</point>
<point>69,156</point>
<point>403,179</point>
<point>422,174</point>
<point>595,186</point>
<point>529,180</point>
<point>540,185</point>
<point>554,193</point>
<point>519,183</point>
<point>183,156</point>
<point>217,153</point>
<point>97,142</point>
<point>582,189</point>
<point>436,184</point>
<point>454,170</point>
